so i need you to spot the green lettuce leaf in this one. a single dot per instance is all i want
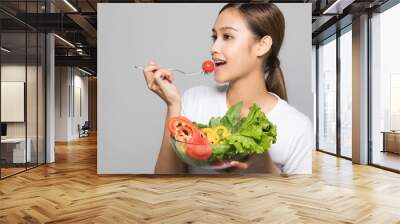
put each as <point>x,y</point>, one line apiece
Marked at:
<point>254,134</point>
<point>214,121</point>
<point>251,134</point>
<point>221,151</point>
<point>199,125</point>
<point>232,117</point>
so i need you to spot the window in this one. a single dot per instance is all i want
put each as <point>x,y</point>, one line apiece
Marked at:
<point>385,89</point>
<point>346,93</point>
<point>327,95</point>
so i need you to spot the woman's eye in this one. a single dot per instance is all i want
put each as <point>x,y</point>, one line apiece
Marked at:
<point>226,36</point>
<point>213,37</point>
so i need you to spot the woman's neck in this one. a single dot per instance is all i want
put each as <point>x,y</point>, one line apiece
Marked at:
<point>250,89</point>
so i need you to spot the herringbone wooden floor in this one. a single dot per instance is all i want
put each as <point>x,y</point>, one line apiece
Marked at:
<point>70,191</point>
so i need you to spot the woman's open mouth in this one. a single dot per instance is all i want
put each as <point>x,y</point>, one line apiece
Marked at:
<point>219,63</point>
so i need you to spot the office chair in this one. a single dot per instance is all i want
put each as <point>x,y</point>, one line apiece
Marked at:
<point>84,130</point>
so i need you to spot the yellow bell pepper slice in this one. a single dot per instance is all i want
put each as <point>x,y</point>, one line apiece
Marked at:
<point>211,135</point>
<point>221,131</point>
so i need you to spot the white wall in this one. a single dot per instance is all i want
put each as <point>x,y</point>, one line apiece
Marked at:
<point>33,127</point>
<point>79,117</point>
<point>12,101</point>
<point>67,117</point>
<point>130,117</point>
<point>62,80</point>
<point>16,72</point>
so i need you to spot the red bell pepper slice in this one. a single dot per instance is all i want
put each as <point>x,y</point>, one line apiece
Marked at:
<point>182,129</point>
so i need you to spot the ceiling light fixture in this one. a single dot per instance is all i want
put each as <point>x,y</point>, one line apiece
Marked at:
<point>70,5</point>
<point>65,41</point>
<point>5,50</point>
<point>79,51</point>
<point>84,71</point>
<point>337,7</point>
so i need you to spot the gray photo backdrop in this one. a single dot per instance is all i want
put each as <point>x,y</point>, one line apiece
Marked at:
<point>130,117</point>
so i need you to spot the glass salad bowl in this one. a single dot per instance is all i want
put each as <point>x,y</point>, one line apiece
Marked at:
<point>207,156</point>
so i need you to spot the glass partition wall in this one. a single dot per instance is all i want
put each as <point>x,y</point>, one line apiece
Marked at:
<point>327,95</point>
<point>22,77</point>
<point>334,80</point>
<point>345,62</point>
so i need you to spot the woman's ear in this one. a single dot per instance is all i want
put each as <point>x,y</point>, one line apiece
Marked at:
<point>264,45</point>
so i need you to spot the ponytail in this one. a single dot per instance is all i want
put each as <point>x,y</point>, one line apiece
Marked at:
<point>275,81</point>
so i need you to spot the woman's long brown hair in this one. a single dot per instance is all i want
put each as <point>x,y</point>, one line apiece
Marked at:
<point>266,19</point>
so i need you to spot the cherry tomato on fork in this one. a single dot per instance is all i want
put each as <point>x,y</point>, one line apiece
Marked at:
<point>208,66</point>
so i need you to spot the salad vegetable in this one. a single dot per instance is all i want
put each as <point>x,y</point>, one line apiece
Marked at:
<point>211,135</point>
<point>225,137</point>
<point>200,150</point>
<point>222,131</point>
<point>182,129</point>
<point>208,66</point>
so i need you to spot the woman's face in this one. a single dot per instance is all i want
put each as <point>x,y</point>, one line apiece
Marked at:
<point>233,44</point>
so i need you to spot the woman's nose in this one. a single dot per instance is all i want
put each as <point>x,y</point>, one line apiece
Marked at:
<point>215,49</point>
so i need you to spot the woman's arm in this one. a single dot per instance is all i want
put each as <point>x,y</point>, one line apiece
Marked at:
<point>160,81</point>
<point>168,162</point>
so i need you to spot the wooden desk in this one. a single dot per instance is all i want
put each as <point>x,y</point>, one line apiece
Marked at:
<point>391,141</point>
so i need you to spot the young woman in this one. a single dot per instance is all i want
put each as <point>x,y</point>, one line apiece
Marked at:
<point>247,38</point>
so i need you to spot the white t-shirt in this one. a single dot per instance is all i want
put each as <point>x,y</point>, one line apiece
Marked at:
<point>292,152</point>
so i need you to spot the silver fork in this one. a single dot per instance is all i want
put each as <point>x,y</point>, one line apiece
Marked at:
<point>173,69</point>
